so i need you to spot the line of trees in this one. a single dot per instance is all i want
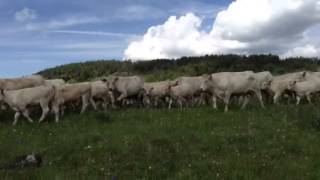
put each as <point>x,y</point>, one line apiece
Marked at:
<point>163,69</point>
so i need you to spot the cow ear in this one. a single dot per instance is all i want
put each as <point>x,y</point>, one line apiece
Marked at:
<point>304,74</point>
<point>116,79</point>
<point>210,77</point>
<point>104,80</point>
<point>293,82</point>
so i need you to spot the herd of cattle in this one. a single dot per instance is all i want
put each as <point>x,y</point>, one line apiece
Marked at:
<point>21,94</point>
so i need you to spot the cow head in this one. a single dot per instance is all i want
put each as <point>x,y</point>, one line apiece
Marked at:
<point>266,84</point>
<point>112,84</point>
<point>1,94</point>
<point>149,91</point>
<point>173,83</point>
<point>291,85</point>
<point>301,76</point>
<point>104,80</point>
<point>206,83</point>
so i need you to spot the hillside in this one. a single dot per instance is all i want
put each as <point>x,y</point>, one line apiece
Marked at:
<point>168,69</point>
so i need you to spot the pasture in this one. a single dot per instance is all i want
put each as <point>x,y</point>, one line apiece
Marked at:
<point>280,142</point>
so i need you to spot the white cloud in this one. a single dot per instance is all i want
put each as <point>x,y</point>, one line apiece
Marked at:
<point>25,15</point>
<point>305,51</point>
<point>175,38</point>
<point>251,20</point>
<point>246,26</point>
<point>56,24</point>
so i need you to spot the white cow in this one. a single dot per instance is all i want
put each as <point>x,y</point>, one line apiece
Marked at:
<point>262,82</point>
<point>126,86</point>
<point>180,93</point>
<point>306,88</point>
<point>157,91</point>
<point>100,90</point>
<point>71,92</point>
<point>19,100</point>
<point>282,83</point>
<point>194,84</point>
<point>225,84</point>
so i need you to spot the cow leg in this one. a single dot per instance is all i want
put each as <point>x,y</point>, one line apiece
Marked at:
<point>93,103</point>
<point>183,101</point>
<point>309,98</point>
<point>56,108</point>
<point>63,107</point>
<point>112,99</point>
<point>3,106</point>
<point>179,102</point>
<point>245,101</point>
<point>226,101</point>
<point>276,98</point>
<point>26,113</point>
<point>105,102</point>
<point>259,96</point>
<point>16,117</point>
<point>156,101</point>
<point>214,102</point>
<point>170,103</point>
<point>85,103</point>
<point>45,110</point>
<point>122,96</point>
<point>298,99</point>
<point>241,100</point>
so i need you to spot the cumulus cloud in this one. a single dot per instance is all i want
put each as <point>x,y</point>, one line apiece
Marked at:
<point>175,38</point>
<point>245,26</point>
<point>25,15</point>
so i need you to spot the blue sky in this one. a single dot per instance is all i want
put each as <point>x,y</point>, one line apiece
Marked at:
<point>54,32</point>
<point>37,34</point>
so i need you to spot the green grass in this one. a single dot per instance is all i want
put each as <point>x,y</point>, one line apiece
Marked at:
<point>280,142</point>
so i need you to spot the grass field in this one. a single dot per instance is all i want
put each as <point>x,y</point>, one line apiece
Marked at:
<point>281,142</point>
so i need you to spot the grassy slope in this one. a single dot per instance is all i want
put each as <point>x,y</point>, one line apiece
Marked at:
<point>279,143</point>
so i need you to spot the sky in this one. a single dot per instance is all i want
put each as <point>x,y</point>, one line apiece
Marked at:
<point>38,34</point>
